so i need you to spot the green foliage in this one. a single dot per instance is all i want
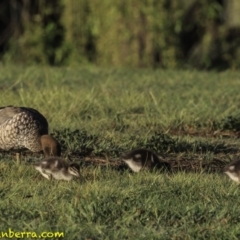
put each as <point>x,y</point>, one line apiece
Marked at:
<point>43,39</point>
<point>147,33</point>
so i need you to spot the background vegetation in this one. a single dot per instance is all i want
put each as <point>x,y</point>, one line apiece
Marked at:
<point>160,34</point>
<point>98,113</point>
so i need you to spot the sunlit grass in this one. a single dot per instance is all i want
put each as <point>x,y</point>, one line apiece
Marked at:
<point>122,109</point>
<point>96,99</point>
<point>109,204</point>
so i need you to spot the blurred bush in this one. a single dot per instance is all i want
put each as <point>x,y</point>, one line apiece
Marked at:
<point>148,33</point>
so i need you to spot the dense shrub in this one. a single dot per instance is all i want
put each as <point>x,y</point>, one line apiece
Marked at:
<point>167,34</point>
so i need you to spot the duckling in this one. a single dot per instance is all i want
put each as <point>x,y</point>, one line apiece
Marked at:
<point>233,170</point>
<point>58,168</point>
<point>23,127</point>
<point>141,158</point>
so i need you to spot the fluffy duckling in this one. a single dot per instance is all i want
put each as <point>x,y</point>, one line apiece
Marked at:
<point>22,127</point>
<point>58,168</point>
<point>141,158</point>
<point>233,170</point>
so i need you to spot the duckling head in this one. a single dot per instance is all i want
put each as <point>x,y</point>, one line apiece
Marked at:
<point>233,171</point>
<point>135,162</point>
<point>74,169</point>
<point>139,159</point>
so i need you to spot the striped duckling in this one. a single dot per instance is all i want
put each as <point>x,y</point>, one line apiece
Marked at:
<point>58,168</point>
<point>23,127</point>
<point>233,170</point>
<point>141,158</point>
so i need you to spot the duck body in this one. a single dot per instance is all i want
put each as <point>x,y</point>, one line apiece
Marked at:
<point>141,158</point>
<point>57,168</point>
<point>22,127</point>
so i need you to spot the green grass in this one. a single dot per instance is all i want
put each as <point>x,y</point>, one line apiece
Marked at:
<point>112,205</point>
<point>191,118</point>
<point>99,99</point>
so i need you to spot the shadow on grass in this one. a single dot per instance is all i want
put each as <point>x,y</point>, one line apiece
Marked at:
<point>164,143</point>
<point>91,150</point>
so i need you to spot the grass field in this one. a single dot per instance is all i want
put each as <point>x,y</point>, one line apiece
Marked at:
<point>190,118</point>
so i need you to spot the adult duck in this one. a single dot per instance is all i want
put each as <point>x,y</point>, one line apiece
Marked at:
<point>23,127</point>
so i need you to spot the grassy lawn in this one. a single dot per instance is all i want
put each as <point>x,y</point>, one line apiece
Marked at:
<point>190,118</point>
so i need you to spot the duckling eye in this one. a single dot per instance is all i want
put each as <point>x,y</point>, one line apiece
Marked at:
<point>137,157</point>
<point>231,168</point>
